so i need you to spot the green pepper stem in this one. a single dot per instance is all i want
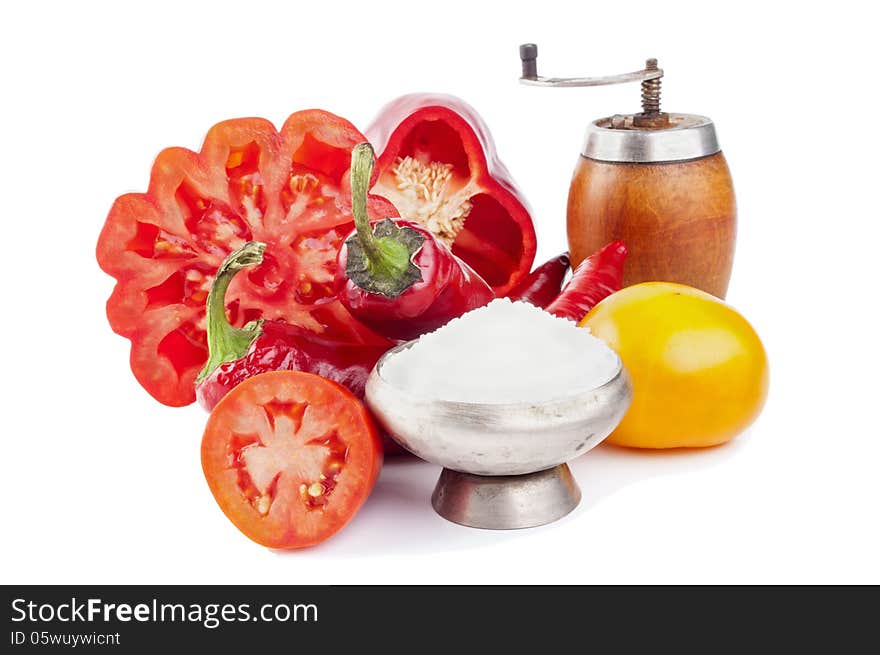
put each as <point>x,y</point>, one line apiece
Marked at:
<point>225,342</point>
<point>386,257</point>
<point>362,161</point>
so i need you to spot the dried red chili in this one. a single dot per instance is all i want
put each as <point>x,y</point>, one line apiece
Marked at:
<point>595,278</point>
<point>236,354</point>
<point>395,276</point>
<point>542,286</point>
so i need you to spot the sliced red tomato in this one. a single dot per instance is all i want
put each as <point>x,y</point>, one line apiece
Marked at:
<point>290,457</point>
<point>288,189</point>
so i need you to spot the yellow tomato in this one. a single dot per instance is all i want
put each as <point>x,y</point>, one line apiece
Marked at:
<point>699,369</point>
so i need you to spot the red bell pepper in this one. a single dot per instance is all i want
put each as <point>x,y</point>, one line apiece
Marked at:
<point>235,354</point>
<point>438,165</point>
<point>395,276</point>
<point>542,286</point>
<point>595,278</point>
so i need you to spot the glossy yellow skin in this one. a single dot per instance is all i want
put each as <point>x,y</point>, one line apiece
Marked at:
<point>699,369</point>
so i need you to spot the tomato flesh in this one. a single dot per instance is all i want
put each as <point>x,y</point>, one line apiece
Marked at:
<point>290,457</point>
<point>249,181</point>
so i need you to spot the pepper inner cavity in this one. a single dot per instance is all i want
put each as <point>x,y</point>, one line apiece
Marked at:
<point>429,193</point>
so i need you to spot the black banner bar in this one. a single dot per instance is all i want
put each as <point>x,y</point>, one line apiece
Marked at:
<point>135,619</point>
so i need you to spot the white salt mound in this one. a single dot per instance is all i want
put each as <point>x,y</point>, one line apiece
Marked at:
<point>505,352</point>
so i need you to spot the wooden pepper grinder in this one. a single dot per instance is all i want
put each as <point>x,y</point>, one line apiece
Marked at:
<point>656,180</point>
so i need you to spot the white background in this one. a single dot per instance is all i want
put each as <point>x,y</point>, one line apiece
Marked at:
<point>102,484</point>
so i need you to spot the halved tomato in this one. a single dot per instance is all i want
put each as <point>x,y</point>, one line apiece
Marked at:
<point>287,189</point>
<point>290,457</point>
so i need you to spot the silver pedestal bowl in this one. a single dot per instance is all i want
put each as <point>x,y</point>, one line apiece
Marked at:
<point>504,464</point>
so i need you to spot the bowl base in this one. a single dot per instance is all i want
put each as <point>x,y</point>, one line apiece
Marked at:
<point>506,502</point>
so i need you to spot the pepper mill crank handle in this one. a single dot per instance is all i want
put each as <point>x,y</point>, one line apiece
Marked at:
<point>528,54</point>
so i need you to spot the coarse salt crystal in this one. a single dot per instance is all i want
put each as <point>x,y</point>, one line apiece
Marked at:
<point>505,352</point>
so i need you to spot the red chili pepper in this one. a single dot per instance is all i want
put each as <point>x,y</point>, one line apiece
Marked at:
<point>395,276</point>
<point>541,286</point>
<point>597,277</point>
<point>235,354</point>
<point>437,164</point>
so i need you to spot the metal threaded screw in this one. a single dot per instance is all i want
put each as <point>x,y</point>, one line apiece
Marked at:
<point>651,91</point>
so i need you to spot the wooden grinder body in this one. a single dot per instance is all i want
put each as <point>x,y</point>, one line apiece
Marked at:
<point>677,218</point>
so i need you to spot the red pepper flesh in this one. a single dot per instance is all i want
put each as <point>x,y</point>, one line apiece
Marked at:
<point>438,165</point>
<point>597,277</point>
<point>542,286</point>
<point>395,276</point>
<point>235,354</point>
